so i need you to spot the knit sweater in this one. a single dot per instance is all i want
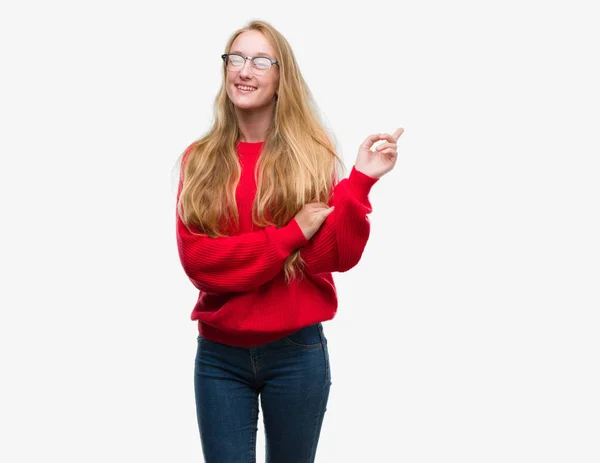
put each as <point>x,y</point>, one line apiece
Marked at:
<point>243,298</point>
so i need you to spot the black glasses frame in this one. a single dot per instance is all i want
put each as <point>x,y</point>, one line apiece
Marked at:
<point>225,56</point>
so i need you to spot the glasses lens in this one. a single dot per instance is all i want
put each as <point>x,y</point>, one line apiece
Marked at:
<point>262,64</point>
<point>235,62</point>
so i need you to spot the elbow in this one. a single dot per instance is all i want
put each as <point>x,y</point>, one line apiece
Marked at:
<point>199,279</point>
<point>344,267</point>
<point>208,287</point>
<point>350,260</point>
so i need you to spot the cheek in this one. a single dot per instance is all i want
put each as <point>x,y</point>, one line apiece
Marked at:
<point>273,86</point>
<point>230,87</point>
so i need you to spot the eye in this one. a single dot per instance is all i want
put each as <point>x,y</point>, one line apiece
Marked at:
<point>262,63</point>
<point>236,60</point>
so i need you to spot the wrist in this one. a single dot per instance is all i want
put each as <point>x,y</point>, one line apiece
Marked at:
<point>360,184</point>
<point>364,173</point>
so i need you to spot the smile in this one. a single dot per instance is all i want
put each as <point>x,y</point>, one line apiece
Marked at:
<point>245,89</point>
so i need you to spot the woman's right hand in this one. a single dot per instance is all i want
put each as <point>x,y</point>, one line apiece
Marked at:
<point>311,217</point>
<point>383,159</point>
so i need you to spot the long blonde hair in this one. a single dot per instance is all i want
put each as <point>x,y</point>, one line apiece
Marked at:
<point>297,164</point>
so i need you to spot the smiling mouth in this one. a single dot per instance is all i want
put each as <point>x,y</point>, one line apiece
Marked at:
<point>245,89</point>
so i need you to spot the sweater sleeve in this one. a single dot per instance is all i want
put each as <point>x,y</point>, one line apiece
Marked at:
<point>237,263</point>
<point>338,245</point>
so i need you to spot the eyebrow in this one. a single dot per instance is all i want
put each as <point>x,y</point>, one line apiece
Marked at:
<point>260,53</point>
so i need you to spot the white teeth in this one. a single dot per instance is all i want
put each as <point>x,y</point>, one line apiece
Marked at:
<point>243,87</point>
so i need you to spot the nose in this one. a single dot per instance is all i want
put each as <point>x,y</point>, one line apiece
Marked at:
<point>246,68</point>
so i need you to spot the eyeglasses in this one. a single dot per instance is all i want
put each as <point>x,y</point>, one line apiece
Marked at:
<point>260,64</point>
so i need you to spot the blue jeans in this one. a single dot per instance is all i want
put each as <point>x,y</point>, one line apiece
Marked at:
<point>292,376</point>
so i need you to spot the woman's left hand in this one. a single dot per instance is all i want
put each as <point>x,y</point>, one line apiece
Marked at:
<point>379,162</point>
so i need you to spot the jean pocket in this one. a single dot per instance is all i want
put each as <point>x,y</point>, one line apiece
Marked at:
<point>309,337</point>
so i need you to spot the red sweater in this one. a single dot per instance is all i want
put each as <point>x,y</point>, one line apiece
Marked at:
<point>243,299</point>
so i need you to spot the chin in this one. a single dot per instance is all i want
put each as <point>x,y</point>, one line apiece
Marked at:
<point>246,105</point>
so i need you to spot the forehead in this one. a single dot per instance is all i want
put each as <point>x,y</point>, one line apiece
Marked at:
<point>252,43</point>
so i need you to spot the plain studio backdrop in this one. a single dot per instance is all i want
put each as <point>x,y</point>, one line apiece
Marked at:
<point>468,331</point>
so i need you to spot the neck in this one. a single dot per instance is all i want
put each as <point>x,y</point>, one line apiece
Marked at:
<point>254,123</point>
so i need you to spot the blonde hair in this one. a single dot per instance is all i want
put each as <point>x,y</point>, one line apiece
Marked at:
<point>297,164</point>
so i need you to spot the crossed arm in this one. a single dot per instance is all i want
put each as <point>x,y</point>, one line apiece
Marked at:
<point>246,261</point>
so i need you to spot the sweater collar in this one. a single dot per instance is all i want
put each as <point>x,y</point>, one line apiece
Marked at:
<point>245,147</point>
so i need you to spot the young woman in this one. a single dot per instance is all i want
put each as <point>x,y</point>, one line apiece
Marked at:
<point>262,222</point>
